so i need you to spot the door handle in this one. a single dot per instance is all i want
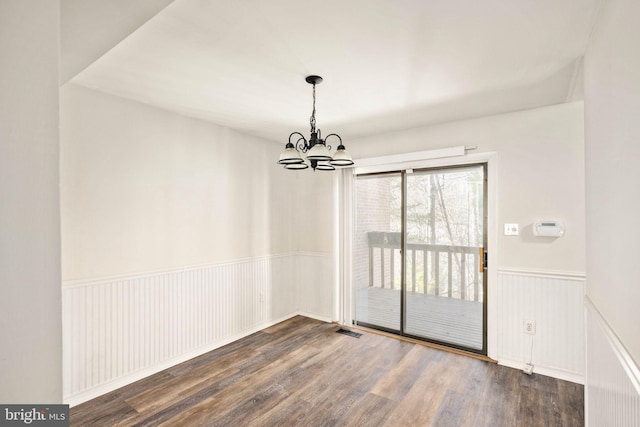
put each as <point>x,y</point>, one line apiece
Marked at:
<point>483,260</point>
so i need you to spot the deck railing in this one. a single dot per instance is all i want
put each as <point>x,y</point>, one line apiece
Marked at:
<point>442,270</point>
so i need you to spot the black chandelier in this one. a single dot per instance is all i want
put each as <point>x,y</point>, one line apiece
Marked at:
<point>319,155</point>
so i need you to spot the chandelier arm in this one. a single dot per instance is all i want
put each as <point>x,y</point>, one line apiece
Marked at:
<point>330,135</point>
<point>302,146</point>
<point>334,134</point>
<point>295,133</point>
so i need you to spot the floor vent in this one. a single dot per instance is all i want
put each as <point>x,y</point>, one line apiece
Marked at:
<point>350,333</point>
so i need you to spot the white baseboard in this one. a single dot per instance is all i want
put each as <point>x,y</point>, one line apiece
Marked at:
<point>573,377</point>
<point>315,316</point>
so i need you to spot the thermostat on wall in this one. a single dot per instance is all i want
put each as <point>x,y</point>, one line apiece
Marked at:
<point>548,228</point>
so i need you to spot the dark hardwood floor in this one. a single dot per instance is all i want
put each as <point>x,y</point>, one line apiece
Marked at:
<point>301,373</point>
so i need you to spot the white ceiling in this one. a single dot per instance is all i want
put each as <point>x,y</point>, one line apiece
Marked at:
<point>386,64</point>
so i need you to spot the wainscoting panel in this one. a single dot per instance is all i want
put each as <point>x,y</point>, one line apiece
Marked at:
<point>612,388</point>
<point>555,303</point>
<point>118,330</point>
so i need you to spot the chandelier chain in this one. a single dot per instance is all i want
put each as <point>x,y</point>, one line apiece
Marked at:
<point>312,120</point>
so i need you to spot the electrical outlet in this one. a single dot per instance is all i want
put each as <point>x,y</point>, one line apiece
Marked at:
<point>529,327</point>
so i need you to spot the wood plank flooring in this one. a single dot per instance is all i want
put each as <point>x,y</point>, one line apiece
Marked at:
<point>301,373</point>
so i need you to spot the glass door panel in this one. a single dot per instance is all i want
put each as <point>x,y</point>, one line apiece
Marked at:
<point>377,259</point>
<point>445,235</point>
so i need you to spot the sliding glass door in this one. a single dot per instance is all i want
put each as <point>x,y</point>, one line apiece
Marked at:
<point>445,230</point>
<point>377,259</point>
<point>419,254</point>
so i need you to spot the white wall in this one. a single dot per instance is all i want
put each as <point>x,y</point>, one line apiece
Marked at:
<point>540,176</point>
<point>185,221</point>
<point>144,189</point>
<point>612,110</point>
<point>612,136</point>
<point>314,238</point>
<point>313,210</point>
<point>30,319</point>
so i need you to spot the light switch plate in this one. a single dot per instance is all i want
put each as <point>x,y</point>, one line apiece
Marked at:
<point>511,229</point>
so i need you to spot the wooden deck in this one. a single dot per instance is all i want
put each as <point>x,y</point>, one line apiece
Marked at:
<point>448,320</point>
